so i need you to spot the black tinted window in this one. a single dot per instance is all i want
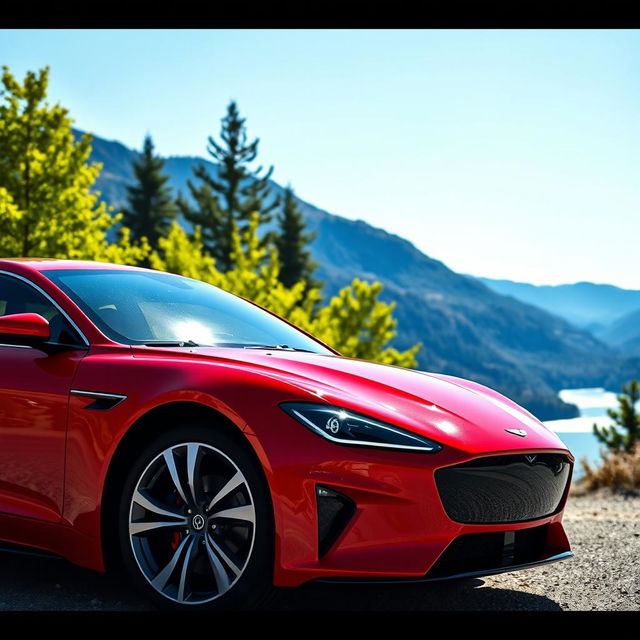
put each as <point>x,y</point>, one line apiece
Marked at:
<point>17,296</point>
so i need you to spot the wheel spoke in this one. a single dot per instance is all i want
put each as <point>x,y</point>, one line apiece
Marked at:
<point>151,505</point>
<point>136,528</point>
<point>188,556</point>
<point>234,483</point>
<point>230,563</point>
<point>219,573</point>
<point>173,471</point>
<point>161,580</point>
<point>192,460</point>
<point>246,512</point>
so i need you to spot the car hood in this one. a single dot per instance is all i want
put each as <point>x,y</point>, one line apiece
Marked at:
<point>452,411</point>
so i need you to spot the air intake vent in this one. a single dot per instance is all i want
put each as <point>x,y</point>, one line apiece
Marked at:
<point>335,510</point>
<point>479,552</point>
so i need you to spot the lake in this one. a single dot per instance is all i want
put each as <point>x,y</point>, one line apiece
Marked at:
<point>577,433</point>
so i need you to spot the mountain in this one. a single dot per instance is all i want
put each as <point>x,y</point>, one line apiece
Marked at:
<point>466,329</point>
<point>624,333</point>
<point>585,304</point>
<point>631,346</point>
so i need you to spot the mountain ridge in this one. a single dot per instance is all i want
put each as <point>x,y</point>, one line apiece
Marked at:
<point>624,333</point>
<point>586,304</point>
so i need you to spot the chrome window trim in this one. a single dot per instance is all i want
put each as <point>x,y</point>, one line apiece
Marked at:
<point>16,346</point>
<point>51,300</point>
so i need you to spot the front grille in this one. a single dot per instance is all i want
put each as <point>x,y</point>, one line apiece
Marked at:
<point>478,552</point>
<point>499,489</point>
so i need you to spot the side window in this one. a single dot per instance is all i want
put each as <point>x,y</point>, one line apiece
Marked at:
<point>17,296</point>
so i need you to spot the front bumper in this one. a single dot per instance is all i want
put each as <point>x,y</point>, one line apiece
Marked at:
<point>455,576</point>
<point>399,528</point>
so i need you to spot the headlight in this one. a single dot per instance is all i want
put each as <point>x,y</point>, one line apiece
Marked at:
<point>346,427</point>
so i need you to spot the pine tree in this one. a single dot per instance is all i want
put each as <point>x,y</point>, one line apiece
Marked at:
<point>151,206</point>
<point>234,195</point>
<point>291,241</point>
<point>47,204</point>
<point>626,418</point>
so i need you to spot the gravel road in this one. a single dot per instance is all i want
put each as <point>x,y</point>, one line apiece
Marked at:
<point>604,575</point>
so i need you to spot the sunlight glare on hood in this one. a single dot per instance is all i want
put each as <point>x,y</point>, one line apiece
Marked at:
<point>445,425</point>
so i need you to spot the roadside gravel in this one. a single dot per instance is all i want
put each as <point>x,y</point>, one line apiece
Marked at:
<point>604,575</point>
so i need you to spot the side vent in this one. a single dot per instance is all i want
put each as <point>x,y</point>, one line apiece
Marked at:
<point>101,401</point>
<point>335,510</point>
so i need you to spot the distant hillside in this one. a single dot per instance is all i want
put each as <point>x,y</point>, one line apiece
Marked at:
<point>631,346</point>
<point>466,329</point>
<point>585,304</point>
<point>624,333</point>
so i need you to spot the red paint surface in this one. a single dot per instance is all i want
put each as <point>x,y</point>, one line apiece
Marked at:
<point>24,324</point>
<point>55,455</point>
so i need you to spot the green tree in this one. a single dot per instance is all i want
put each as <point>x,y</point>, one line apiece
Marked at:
<point>354,322</point>
<point>151,205</point>
<point>230,199</point>
<point>291,241</point>
<point>624,434</point>
<point>47,207</point>
<point>357,324</point>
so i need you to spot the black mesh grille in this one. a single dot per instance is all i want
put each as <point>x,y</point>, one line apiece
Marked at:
<point>477,552</point>
<point>498,489</point>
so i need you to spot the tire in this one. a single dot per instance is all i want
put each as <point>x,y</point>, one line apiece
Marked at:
<point>212,543</point>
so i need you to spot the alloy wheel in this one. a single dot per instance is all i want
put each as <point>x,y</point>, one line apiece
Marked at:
<point>192,523</point>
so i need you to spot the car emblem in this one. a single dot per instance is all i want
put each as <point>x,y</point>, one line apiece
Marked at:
<point>517,432</point>
<point>531,459</point>
<point>198,522</point>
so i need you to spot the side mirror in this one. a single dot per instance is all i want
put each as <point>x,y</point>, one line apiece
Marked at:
<point>24,328</point>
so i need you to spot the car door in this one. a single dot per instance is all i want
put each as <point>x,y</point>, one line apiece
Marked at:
<point>34,396</point>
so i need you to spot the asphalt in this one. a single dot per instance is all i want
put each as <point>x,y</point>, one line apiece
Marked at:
<point>604,575</point>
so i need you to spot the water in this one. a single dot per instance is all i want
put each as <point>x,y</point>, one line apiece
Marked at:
<point>577,433</point>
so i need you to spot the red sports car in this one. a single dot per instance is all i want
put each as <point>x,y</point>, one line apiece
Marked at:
<point>214,450</point>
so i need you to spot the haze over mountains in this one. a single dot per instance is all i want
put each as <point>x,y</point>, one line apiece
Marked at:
<point>466,328</point>
<point>612,314</point>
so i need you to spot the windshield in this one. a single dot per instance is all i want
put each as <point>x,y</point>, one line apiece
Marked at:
<point>142,307</point>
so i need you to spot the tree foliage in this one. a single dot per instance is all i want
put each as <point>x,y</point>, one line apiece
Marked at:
<point>292,242</point>
<point>47,207</point>
<point>354,322</point>
<point>151,204</point>
<point>357,324</point>
<point>624,434</point>
<point>222,203</point>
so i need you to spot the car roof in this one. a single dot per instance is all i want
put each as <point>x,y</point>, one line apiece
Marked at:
<point>46,264</point>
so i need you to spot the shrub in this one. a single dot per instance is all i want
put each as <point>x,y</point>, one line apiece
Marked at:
<point>619,471</point>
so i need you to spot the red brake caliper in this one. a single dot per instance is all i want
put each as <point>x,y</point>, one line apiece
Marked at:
<point>175,540</point>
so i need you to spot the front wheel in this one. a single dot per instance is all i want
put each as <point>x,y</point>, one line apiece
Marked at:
<point>195,522</point>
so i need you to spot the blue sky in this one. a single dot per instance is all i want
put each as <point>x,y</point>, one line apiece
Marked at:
<point>508,154</point>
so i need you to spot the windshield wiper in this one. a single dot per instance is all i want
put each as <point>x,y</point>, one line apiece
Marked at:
<point>171,343</point>
<point>276,347</point>
<point>191,343</point>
